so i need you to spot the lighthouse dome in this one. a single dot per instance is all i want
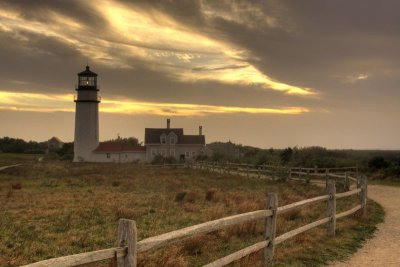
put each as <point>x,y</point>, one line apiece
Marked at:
<point>87,72</point>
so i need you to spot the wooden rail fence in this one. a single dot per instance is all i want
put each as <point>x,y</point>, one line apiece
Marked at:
<point>348,174</point>
<point>128,247</point>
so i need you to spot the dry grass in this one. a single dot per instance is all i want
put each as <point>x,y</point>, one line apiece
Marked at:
<point>64,208</point>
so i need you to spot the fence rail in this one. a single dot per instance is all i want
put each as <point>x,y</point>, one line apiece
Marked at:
<point>348,174</point>
<point>128,246</point>
<point>175,165</point>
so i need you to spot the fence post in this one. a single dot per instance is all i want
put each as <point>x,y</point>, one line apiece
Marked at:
<point>308,177</point>
<point>127,236</point>
<point>326,177</point>
<point>346,182</point>
<point>270,229</point>
<point>290,173</point>
<point>357,169</point>
<point>247,170</point>
<point>331,190</point>
<point>363,195</point>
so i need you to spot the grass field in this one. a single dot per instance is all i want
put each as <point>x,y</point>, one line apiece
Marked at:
<point>54,208</point>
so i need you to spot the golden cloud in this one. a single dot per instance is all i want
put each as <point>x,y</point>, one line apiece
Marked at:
<point>35,102</point>
<point>154,38</point>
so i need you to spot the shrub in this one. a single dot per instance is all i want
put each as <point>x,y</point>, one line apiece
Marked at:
<point>191,197</point>
<point>157,160</point>
<point>193,246</point>
<point>170,160</point>
<point>180,196</point>
<point>16,185</point>
<point>211,194</point>
<point>377,163</point>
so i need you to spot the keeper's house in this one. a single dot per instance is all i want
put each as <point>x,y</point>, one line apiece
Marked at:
<point>172,142</point>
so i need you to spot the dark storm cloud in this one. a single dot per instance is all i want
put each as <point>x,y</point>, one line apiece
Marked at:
<point>306,42</point>
<point>39,10</point>
<point>189,12</point>
<point>36,59</point>
<point>313,41</point>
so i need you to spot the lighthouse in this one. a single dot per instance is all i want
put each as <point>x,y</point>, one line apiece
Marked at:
<point>86,116</point>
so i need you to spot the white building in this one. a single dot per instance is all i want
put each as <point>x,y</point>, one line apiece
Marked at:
<point>172,142</point>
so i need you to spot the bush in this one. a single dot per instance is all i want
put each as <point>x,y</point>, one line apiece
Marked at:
<point>115,183</point>
<point>158,160</point>
<point>180,196</point>
<point>211,194</point>
<point>378,163</point>
<point>170,160</point>
<point>16,185</point>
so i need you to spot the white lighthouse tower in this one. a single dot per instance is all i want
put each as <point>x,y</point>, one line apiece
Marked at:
<point>86,116</point>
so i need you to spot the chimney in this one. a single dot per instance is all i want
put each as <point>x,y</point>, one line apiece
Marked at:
<point>168,123</point>
<point>200,130</point>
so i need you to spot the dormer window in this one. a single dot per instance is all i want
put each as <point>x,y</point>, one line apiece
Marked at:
<point>172,140</point>
<point>163,140</point>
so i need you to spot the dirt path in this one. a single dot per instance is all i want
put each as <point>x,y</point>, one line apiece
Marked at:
<point>384,248</point>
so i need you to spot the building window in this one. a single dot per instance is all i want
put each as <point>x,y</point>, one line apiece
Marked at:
<point>172,152</point>
<point>172,140</point>
<point>108,155</point>
<point>187,154</point>
<point>163,140</point>
<point>154,152</point>
<point>193,154</point>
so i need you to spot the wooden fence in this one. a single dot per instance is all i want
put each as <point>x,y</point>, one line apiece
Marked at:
<point>170,166</point>
<point>125,254</point>
<point>273,171</point>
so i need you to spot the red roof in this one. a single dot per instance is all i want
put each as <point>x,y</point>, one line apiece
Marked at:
<point>111,147</point>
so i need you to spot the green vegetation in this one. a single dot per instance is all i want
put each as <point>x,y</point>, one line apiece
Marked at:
<point>377,164</point>
<point>15,145</point>
<point>126,141</point>
<point>54,208</point>
<point>18,146</point>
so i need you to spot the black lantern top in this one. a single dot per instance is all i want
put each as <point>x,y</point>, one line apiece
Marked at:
<point>87,80</point>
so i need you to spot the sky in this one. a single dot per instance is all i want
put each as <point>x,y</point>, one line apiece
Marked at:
<point>271,73</point>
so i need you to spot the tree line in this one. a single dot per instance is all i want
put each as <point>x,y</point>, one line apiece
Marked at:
<point>378,163</point>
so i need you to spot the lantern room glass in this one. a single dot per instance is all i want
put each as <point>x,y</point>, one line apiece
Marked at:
<point>87,81</point>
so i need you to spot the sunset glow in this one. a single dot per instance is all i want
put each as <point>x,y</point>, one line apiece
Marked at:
<point>63,103</point>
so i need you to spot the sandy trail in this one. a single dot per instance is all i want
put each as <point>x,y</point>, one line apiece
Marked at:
<point>384,248</point>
